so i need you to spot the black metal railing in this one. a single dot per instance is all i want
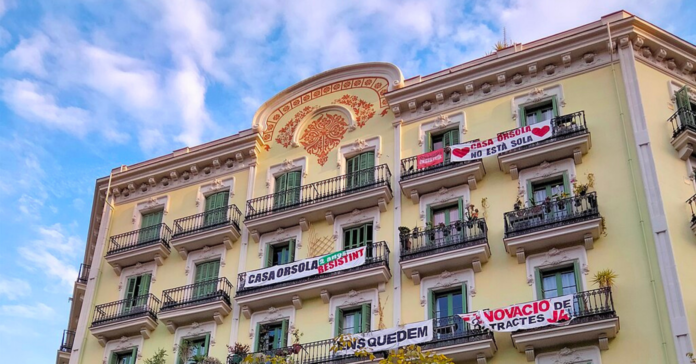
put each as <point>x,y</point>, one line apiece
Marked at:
<point>409,166</point>
<point>589,306</point>
<point>376,254</point>
<point>437,239</point>
<point>145,305</point>
<point>219,289</point>
<point>551,213</point>
<point>692,204</point>
<point>66,344</point>
<point>160,233</point>
<point>83,275</point>
<point>563,127</point>
<point>319,191</point>
<point>681,120</point>
<point>224,216</point>
<point>446,331</point>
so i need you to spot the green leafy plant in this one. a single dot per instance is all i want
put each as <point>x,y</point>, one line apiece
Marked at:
<point>158,358</point>
<point>691,357</point>
<point>605,278</point>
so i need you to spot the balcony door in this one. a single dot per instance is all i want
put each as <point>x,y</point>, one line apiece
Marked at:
<point>271,336</point>
<point>281,253</point>
<point>360,170</point>
<point>444,140</point>
<point>353,320</point>
<point>559,282</point>
<point>287,189</point>
<point>540,112</point>
<point>206,278</point>
<point>555,188</point>
<point>136,297</point>
<point>127,357</point>
<point>444,306</point>
<point>686,106</point>
<point>196,349</point>
<point>149,227</point>
<point>358,236</point>
<point>215,208</point>
<point>441,219</point>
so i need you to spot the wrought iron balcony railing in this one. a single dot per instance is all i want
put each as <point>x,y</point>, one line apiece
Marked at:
<point>437,239</point>
<point>83,275</point>
<point>66,344</point>
<point>564,127</point>
<point>160,233</point>
<point>213,290</point>
<point>145,305</point>
<point>319,191</point>
<point>409,166</point>
<point>447,331</point>
<point>377,254</point>
<point>551,213</point>
<point>589,306</point>
<point>692,204</point>
<point>681,120</point>
<point>224,216</point>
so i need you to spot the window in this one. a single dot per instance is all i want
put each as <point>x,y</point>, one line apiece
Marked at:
<point>358,236</point>
<point>444,306</point>
<point>193,350</point>
<point>354,320</point>
<point>540,112</point>
<point>206,272</point>
<point>150,227</point>
<point>215,211</point>
<point>287,189</point>
<point>360,170</point>
<point>281,253</point>
<point>442,140</point>
<point>553,188</point>
<point>558,282</point>
<point>137,289</point>
<point>271,336</point>
<point>685,103</point>
<point>127,357</point>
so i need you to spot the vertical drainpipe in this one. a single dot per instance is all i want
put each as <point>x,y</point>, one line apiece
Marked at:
<point>241,267</point>
<point>396,268</point>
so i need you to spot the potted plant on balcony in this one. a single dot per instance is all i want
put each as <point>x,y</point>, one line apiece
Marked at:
<point>560,200</point>
<point>605,279</point>
<point>442,227</point>
<point>547,204</point>
<point>404,237</point>
<point>431,230</point>
<point>296,346</point>
<point>238,352</point>
<point>518,203</point>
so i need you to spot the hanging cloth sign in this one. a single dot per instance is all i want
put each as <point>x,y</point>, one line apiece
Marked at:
<point>388,339</point>
<point>429,159</point>
<point>552,311</point>
<point>505,141</point>
<point>333,262</point>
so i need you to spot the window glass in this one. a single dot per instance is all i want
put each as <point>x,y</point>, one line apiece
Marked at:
<point>552,188</point>
<point>357,236</point>
<point>280,254</point>
<point>558,282</point>
<point>448,303</point>
<point>124,358</point>
<point>270,336</point>
<point>352,321</point>
<point>539,113</point>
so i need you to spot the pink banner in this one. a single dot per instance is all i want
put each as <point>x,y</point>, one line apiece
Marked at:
<point>431,158</point>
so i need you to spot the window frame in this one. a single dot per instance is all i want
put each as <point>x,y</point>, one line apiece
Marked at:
<point>538,274</point>
<point>538,104</point>
<point>365,323</point>
<point>549,179</point>
<point>282,341</point>
<point>206,344</point>
<point>115,354</point>
<point>368,229</point>
<point>433,292</point>
<point>270,254</point>
<point>453,135</point>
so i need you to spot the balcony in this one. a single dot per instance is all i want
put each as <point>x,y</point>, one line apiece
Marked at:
<point>452,337</point>
<point>198,302</point>
<point>128,317</point>
<point>374,273</point>
<point>416,182</point>
<point>568,221</point>
<point>447,247</point>
<point>595,322</point>
<point>82,277</point>
<point>570,139</point>
<point>683,132</point>
<point>139,246</point>
<point>66,346</point>
<point>321,200</point>
<point>692,204</point>
<point>218,226</point>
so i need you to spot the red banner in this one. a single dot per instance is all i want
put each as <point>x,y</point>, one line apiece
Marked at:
<point>431,158</point>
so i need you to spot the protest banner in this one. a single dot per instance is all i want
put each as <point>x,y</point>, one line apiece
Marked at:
<point>388,339</point>
<point>504,141</point>
<point>333,262</point>
<point>551,311</point>
<point>430,159</point>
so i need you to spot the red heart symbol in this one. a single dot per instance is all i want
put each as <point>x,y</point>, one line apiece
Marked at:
<point>540,132</point>
<point>460,152</point>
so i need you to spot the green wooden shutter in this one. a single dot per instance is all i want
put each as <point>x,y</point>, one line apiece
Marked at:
<point>338,328</point>
<point>682,96</point>
<point>150,221</point>
<point>144,284</point>
<point>460,206</point>
<point>134,355</point>
<point>257,337</point>
<point>130,287</point>
<point>294,180</point>
<point>539,288</point>
<point>113,358</point>
<point>431,303</point>
<point>207,344</point>
<point>284,334</point>
<point>464,308</point>
<point>523,116</point>
<point>365,316</point>
<point>269,255</point>
<point>576,273</point>
<point>554,103</point>
<point>214,205</point>
<point>291,253</point>
<point>280,183</point>
<point>429,138</point>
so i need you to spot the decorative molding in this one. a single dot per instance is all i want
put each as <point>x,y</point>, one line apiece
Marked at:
<point>201,256</point>
<point>136,270</point>
<point>352,299</point>
<point>536,95</point>
<point>279,236</point>
<point>272,314</point>
<point>356,147</point>
<point>195,330</point>
<point>152,204</point>
<point>443,196</point>
<point>590,354</point>
<point>446,280</point>
<point>298,164</point>
<point>356,217</point>
<point>121,345</point>
<point>546,170</point>
<point>440,123</point>
<point>555,257</point>
<point>214,186</point>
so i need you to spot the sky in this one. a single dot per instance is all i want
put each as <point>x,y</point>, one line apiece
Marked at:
<point>89,85</point>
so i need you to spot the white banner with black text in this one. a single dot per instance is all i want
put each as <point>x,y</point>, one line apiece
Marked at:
<point>530,315</point>
<point>388,339</point>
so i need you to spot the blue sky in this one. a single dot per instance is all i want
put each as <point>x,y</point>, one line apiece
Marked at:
<point>88,85</point>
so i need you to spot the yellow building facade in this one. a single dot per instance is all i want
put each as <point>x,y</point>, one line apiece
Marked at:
<point>213,245</point>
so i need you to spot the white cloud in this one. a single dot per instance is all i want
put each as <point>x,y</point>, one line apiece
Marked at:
<point>188,87</point>
<point>28,100</point>
<point>14,288</point>
<point>28,55</point>
<point>52,254</point>
<point>36,311</point>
